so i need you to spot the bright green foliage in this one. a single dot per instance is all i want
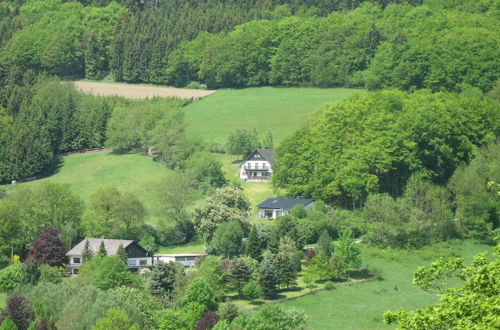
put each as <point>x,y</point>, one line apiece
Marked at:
<point>319,267</point>
<point>239,273</point>
<point>8,324</point>
<point>474,305</point>
<point>116,319</point>
<point>251,290</point>
<point>225,205</point>
<point>242,142</point>
<point>12,276</point>
<point>228,239</point>
<point>111,213</point>
<point>111,272</point>
<point>338,268</point>
<point>172,320</point>
<point>274,316</point>
<point>476,189</point>
<point>348,250</point>
<point>228,311</point>
<point>50,274</point>
<point>205,170</point>
<point>373,143</point>
<point>212,271</point>
<point>201,293</point>
<point>269,276</point>
<point>46,205</point>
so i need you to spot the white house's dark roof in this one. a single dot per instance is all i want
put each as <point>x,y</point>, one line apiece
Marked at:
<point>283,203</point>
<point>267,155</point>
<point>111,246</point>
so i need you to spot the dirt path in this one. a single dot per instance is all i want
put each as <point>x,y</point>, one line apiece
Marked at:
<point>86,152</point>
<point>137,91</point>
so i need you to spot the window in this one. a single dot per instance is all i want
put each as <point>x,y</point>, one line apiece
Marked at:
<point>77,260</point>
<point>190,258</point>
<point>132,262</point>
<point>143,262</point>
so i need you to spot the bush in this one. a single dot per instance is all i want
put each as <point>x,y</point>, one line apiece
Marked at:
<point>11,276</point>
<point>196,85</point>
<point>329,285</point>
<point>50,274</point>
<point>251,290</point>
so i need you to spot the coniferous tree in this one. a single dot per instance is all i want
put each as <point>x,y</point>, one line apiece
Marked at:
<point>102,250</point>
<point>253,245</point>
<point>163,279</point>
<point>87,253</point>
<point>325,243</point>
<point>122,253</point>
<point>269,277</point>
<point>239,273</point>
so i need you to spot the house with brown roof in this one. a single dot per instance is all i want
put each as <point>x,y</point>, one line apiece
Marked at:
<point>137,256</point>
<point>257,167</point>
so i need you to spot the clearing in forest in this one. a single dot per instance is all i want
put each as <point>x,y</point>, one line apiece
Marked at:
<point>133,91</point>
<point>279,110</point>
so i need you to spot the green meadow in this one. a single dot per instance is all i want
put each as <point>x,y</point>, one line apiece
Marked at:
<point>130,172</point>
<point>361,306</point>
<point>277,110</point>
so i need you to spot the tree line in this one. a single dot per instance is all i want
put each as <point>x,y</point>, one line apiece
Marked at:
<point>374,44</point>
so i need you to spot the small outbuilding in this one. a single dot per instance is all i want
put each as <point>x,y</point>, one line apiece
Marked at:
<point>274,207</point>
<point>185,259</point>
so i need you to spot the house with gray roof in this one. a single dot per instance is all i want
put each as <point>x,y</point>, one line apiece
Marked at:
<point>137,256</point>
<point>275,207</point>
<point>257,167</point>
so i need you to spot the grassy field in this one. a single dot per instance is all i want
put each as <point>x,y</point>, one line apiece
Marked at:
<point>361,306</point>
<point>267,109</point>
<point>3,298</point>
<point>128,172</point>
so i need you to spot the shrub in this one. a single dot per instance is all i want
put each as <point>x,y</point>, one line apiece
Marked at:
<point>50,274</point>
<point>329,285</point>
<point>251,290</point>
<point>11,276</point>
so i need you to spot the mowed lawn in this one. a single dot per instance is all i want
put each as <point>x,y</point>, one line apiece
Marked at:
<point>129,172</point>
<point>277,110</point>
<point>362,306</point>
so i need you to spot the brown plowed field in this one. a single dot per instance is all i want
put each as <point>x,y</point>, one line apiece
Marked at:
<point>137,91</point>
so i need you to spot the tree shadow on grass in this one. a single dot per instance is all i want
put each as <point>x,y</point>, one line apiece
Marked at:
<point>360,274</point>
<point>53,168</point>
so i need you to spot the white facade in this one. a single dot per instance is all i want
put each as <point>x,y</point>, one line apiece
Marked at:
<point>254,171</point>
<point>185,259</point>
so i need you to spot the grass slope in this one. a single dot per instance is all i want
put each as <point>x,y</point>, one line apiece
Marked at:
<point>267,109</point>
<point>128,172</point>
<point>361,306</point>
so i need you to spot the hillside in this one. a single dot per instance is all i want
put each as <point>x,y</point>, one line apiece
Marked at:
<point>267,109</point>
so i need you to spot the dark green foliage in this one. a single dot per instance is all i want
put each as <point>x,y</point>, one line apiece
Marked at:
<point>121,253</point>
<point>228,311</point>
<point>253,244</point>
<point>102,250</point>
<point>325,243</point>
<point>163,279</point>
<point>87,252</point>
<point>239,273</point>
<point>31,272</point>
<point>273,316</point>
<point>269,276</point>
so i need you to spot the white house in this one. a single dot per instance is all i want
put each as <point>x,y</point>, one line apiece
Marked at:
<point>137,256</point>
<point>274,207</point>
<point>186,259</point>
<point>257,167</point>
